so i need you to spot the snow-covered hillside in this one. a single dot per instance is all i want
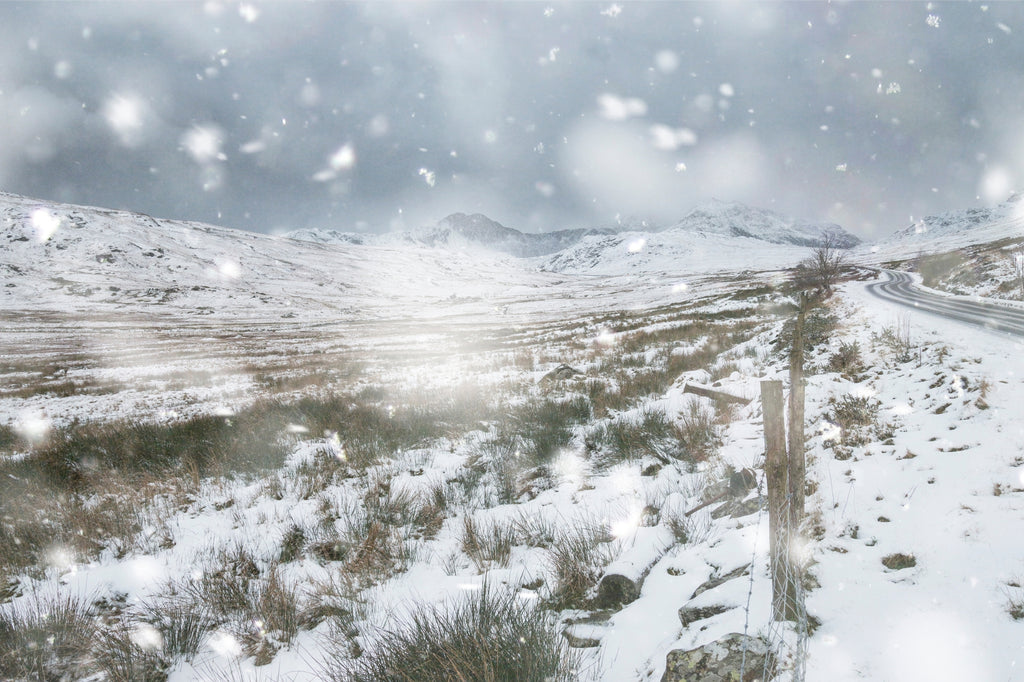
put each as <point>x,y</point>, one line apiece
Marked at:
<point>714,237</point>
<point>433,452</point>
<point>76,258</point>
<point>956,230</point>
<point>739,220</point>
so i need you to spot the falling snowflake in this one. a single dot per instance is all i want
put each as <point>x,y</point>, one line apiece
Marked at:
<point>429,176</point>
<point>893,89</point>
<point>613,11</point>
<point>933,20</point>
<point>841,167</point>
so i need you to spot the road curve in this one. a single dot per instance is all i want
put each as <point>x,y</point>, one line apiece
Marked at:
<point>900,288</point>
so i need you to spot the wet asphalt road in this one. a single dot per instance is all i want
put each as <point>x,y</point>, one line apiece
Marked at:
<point>899,287</point>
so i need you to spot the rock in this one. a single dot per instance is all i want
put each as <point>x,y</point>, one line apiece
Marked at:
<point>616,590</point>
<point>560,373</point>
<point>735,509</point>
<point>733,658</point>
<point>716,580</point>
<point>577,642</point>
<point>691,614</point>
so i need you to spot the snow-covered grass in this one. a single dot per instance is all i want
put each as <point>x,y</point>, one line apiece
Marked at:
<point>306,498</point>
<point>205,558</point>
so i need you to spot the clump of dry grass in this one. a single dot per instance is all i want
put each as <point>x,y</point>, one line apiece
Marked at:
<point>487,635</point>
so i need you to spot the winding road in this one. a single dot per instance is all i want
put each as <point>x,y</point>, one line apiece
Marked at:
<point>900,288</point>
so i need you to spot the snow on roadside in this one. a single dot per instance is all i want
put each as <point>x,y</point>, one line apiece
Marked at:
<point>948,489</point>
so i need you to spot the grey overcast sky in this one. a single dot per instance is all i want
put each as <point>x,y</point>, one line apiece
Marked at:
<point>372,116</point>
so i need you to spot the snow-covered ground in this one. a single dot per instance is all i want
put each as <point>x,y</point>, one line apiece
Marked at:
<point>941,480</point>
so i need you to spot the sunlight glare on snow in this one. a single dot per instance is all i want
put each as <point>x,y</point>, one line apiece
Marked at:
<point>32,426</point>
<point>61,558</point>
<point>625,527</point>
<point>570,467</point>
<point>605,338</point>
<point>45,224</point>
<point>335,446</point>
<point>228,268</point>
<point>147,637</point>
<point>224,644</point>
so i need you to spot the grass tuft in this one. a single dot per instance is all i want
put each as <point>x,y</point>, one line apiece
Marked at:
<point>487,636</point>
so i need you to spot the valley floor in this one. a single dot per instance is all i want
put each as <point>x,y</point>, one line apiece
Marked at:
<point>934,476</point>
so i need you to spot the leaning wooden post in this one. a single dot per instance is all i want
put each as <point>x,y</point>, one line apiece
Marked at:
<point>796,420</point>
<point>777,473</point>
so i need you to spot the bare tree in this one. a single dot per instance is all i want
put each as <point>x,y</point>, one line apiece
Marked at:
<point>822,268</point>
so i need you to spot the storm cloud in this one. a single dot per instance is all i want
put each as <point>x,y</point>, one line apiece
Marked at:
<point>374,116</point>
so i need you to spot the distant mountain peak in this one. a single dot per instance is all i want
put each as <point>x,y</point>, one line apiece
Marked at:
<point>735,219</point>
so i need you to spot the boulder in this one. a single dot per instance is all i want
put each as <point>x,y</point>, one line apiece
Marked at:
<point>560,373</point>
<point>733,658</point>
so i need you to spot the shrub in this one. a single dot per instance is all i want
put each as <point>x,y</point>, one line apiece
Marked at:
<point>1015,599</point>
<point>847,359</point>
<point>546,426</point>
<point>819,324</point>
<point>856,417</point>
<point>130,653</point>
<point>625,440</point>
<point>487,544</point>
<point>272,617</point>
<point>897,339</point>
<point>487,636</point>
<point>899,561</point>
<point>578,558</point>
<point>697,433</point>
<point>45,638</point>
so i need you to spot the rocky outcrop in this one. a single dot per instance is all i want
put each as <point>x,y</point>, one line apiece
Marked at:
<point>733,658</point>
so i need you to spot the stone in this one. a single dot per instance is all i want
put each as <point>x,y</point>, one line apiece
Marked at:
<point>560,373</point>
<point>691,614</point>
<point>718,579</point>
<point>733,658</point>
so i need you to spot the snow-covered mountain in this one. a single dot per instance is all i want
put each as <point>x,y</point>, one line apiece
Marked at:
<point>477,230</point>
<point>734,219</point>
<point>76,258</point>
<point>715,236</point>
<point>461,232</point>
<point>966,226</point>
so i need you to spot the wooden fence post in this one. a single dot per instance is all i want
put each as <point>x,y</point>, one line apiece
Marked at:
<point>796,421</point>
<point>777,472</point>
